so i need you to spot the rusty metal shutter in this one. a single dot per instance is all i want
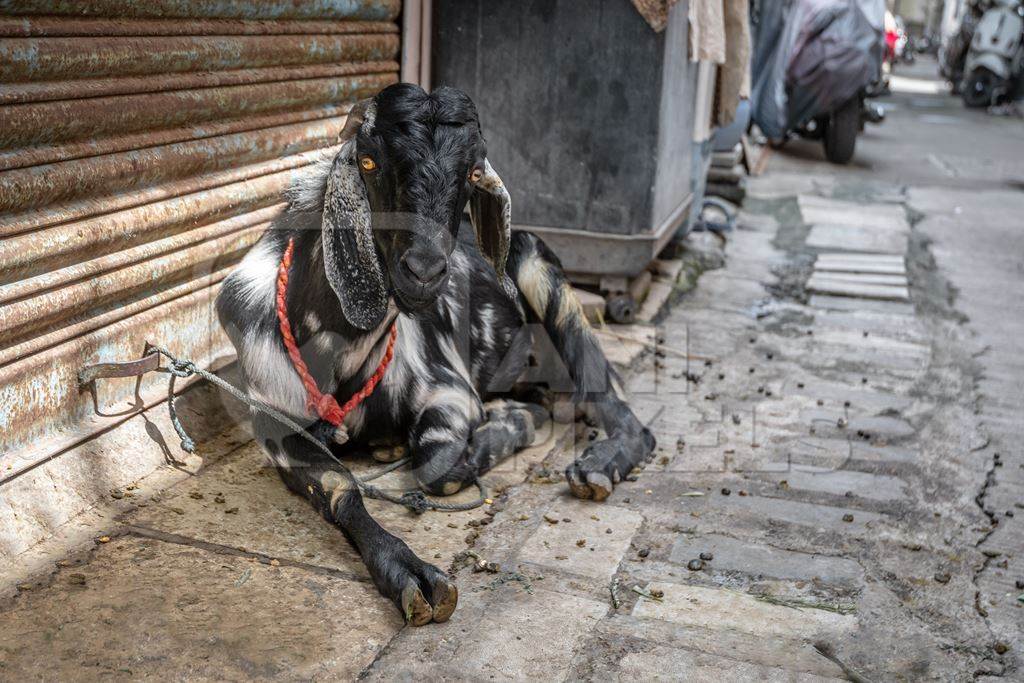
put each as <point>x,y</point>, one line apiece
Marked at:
<point>144,146</point>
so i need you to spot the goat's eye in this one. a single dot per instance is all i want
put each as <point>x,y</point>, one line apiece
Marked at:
<point>368,164</point>
<point>476,174</point>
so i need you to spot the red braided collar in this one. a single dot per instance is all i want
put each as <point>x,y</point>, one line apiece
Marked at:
<point>323,405</point>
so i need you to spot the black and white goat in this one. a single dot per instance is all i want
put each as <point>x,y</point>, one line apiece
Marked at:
<point>376,238</point>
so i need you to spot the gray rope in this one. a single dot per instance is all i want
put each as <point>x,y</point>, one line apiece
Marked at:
<point>412,499</point>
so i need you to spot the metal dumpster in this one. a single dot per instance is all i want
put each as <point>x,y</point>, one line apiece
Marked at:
<point>589,116</point>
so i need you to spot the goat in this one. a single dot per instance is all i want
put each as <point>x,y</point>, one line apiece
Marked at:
<point>379,261</point>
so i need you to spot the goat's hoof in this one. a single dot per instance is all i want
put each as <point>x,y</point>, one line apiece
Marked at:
<point>446,597</point>
<point>603,464</point>
<point>392,454</point>
<point>600,484</point>
<point>577,484</point>
<point>415,607</point>
<point>427,595</point>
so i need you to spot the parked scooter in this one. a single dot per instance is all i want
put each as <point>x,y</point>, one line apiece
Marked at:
<point>996,56</point>
<point>954,48</point>
<point>814,63</point>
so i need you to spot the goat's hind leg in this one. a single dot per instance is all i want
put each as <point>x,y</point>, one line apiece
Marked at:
<point>420,590</point>
<point>450,454</point>
<point>509,428</point>
<point>542,283</point>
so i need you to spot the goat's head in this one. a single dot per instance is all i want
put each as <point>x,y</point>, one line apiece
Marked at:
<point>409,163</point>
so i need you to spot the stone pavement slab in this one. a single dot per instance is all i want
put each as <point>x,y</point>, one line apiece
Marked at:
<point>827,302</point>
<point>755,559</point>
<point>673,664</point>
<point>529,637</point>
<point>724,609</point>
<point>556,542</point>
<point>820,517</point>
<point>838,482</point>
<point>146,609</point>
<point>890,325</point>
<point>843,449</point>
<point>860,278</point>
<point>794,657</point>
<point>499,632</point>
<point>877,216</point>
<point>857,239</point>
<point>860,263</point>
<point>860,288</point>
<point>242,503</point>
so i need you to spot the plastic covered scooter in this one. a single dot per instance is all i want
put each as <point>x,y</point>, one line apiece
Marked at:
<point>812,57</point>
<point>996,56</point>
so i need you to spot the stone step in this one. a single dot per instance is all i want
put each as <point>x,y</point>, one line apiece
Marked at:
<point>727,158</point>
<point>860,278</point>
<point>853,257</point>
<point>860,267</point>
<point>856,289</point>
<point>887,217</point>
<point>759,560</point>
<point>857,239</point>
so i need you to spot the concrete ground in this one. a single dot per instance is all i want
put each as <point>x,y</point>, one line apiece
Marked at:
<point>839,466</point>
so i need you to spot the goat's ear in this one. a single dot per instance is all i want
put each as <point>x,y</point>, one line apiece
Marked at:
<point>350,257</point>
<point>490,209</point>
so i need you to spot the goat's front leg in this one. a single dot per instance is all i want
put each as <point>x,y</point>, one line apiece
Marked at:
<point>455,439</point>
<point>538,275</point>
<point>420,590</point>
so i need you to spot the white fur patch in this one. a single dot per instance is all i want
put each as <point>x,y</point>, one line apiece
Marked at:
<point>569,308</point>
<point>357,354</point>
<point>355,421</point>
<point>326,342</point>
<point>436,435</point>
<point>310,183</point>
<point>405,377</point>
<point>459,405</point>
<point>454,358</point>
<point>486,330</point>
<point>270,376</point>
<point>255,279</point>
<point>534,282</point>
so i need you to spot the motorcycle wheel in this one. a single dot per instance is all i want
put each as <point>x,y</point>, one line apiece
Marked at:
<point>840,137</point>
<point>979,87</point>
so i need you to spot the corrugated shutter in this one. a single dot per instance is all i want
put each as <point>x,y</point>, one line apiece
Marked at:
<point>144,146</point>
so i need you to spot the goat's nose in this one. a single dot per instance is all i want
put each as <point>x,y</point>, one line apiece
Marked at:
<point>424,267</point>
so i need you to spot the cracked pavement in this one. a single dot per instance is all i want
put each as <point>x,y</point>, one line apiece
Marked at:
<point>843,470</point>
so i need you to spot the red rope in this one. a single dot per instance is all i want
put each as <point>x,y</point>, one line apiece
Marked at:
<point>324,405</point>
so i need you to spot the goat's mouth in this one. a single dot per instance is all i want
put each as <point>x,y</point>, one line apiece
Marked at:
<point>411,300</point>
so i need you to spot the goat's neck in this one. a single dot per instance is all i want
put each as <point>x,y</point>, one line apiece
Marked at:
<point>354,351</point>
